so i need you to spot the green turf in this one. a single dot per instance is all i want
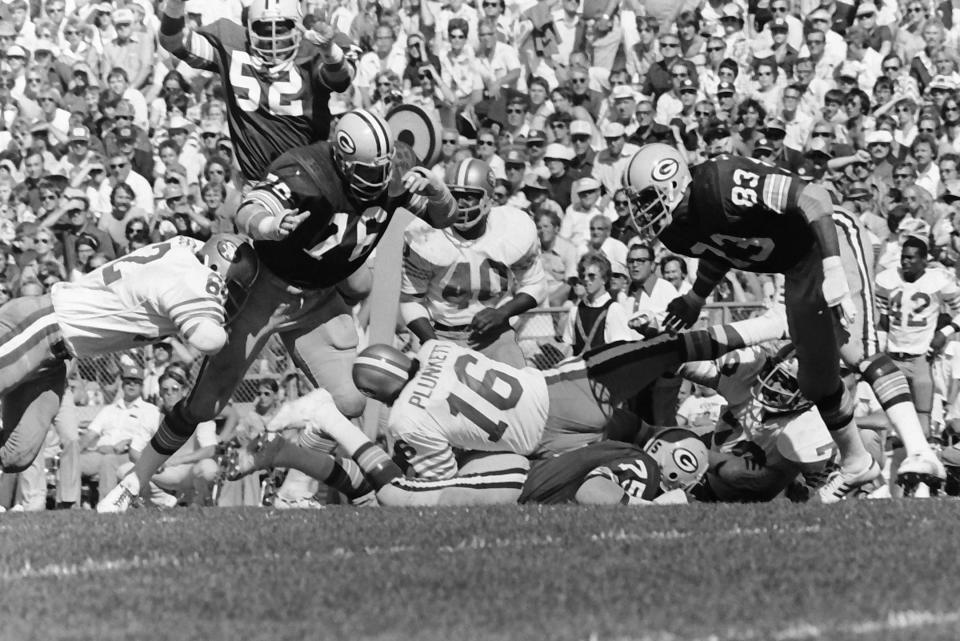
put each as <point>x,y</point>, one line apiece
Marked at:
<point>777,571</point>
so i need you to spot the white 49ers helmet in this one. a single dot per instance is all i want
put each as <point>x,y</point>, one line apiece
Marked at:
<point>470,180</point>
<point>682,457</point>
<point>363,148</point>
<point>236,262</point>
<point>656,180</point>
<point>778,387</point>
<point>273,28</point>
<point>381,371</point>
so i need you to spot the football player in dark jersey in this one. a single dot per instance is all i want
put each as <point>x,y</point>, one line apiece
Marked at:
<point>277,76</point>
<point>734,212</point>
<point>314,222</point>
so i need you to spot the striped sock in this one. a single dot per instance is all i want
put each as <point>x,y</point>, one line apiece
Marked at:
<point>376,465</point>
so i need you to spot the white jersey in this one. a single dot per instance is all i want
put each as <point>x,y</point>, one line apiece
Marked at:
<point>460,398</point>
<point>912,308</point>
<point>456,278</point>
<point>159,290</point>
<point>732,375</point>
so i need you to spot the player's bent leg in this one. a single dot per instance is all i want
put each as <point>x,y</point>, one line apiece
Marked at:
<point>28,411</point>
<point>325,353</point>
<point>492,479</point>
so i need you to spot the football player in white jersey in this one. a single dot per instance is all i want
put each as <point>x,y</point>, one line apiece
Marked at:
<point>909,301</point>
<point>457,282</point>
<point>177,287</point>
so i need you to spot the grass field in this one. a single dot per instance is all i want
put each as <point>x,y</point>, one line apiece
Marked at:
<point>861,570</point>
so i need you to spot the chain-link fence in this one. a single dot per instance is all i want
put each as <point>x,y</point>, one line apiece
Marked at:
<point>538,333</point>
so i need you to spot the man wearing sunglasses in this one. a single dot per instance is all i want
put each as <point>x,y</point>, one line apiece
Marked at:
<point>659,79</point>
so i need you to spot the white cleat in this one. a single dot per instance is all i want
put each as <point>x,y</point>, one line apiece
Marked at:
<point>121,498</point>
<point>920,468</point>
<point>305,503</point>
<point>842,484</point>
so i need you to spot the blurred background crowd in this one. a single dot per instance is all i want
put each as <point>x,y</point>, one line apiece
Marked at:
<point>108,143</point>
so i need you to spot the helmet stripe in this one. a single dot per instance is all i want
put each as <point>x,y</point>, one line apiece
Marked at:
<point>382,364</point>
<point>462,171</point>
<point>380,135</point>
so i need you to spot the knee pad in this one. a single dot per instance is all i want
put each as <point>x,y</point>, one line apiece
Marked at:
<point>836,409</point>
<point>888,382</point>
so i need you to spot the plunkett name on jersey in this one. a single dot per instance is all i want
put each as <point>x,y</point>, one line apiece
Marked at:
<point>429,375</point>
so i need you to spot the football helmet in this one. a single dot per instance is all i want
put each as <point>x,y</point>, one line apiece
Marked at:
<point>364,149</point>
<point>273,29</point>
<point>777,388</point>
<point>381,371</point>
<point>655,180</point>
<point>471,177</point>
<point>682,458</point>
<point>235,260</point>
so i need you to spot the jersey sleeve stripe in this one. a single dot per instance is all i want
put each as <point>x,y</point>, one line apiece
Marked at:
<point>205,300</point>
<point>775,190</point>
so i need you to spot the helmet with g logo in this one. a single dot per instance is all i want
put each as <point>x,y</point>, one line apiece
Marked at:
<point>471,178</point>
<point>682,457</point>
<point>380,372</point>
<point>363,148</point>
<point>273,30</point>
<point>655,180</point>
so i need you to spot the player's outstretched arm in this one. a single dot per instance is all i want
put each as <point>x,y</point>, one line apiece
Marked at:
<point>265,215</point>
<point>179,40</point>
<point>440,209</point>
<point>335,69</point>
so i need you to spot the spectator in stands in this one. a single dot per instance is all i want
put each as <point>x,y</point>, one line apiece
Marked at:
<point>645,302</point>
<point>557,158</point>
<point>673,269</point>
<point>595,320</point>
<point>559,258</point>
<point>119,432</point>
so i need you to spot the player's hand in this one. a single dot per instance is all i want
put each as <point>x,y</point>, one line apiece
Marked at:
<point>939,340</point>
<point>836,291</point>
<point>488,319</point>
<point>683,312</point>
<point>862,155</point>
<point>420,181</point>
<point>638,322</point>
<point>290,221</point>
<point>321,34</point>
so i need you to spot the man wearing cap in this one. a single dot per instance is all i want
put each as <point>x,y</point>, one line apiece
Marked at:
<point>140,161</point>
<point>581,134</point>
<point>125,115</point>
<point>672,103</point>
<point>557,158</point>
<point>535,191</point>
<point>624,108</point>
<point>784,54</point>
<point>785,157</point>
<point>73,220</point>
<point>515,168</point>
<point>611,162</point>
<point>535,143</point>
<point>131,50</point>
<point>127,424</point>
<point>575,226</point>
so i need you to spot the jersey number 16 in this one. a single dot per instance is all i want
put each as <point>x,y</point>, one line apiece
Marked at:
<point>482,401</point>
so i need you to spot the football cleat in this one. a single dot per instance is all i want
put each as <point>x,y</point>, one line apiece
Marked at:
<point>256,455</point>
<point>304,503</point>
<point>842,484</point>
<point>121,498</point>
<point>920,468</point>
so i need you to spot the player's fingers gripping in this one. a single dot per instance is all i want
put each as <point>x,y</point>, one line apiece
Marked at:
<point>290,221</point>
<point>414,181</point>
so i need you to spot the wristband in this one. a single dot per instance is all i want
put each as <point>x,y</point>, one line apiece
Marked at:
<point>949,330</point>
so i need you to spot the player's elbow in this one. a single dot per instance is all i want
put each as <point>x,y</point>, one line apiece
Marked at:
<point>815,202</point>
<point>208,338</point>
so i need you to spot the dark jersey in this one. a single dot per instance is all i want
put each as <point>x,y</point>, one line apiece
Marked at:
<point>556,480</point>
<point>267,114</point>
<point>744,213</point>
<point>339,233</point>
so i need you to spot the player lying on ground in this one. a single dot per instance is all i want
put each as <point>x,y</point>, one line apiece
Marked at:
<point>177,287</point>
<point>455,397</point>
<point>315,221</point>
<point>769,434</point>
<point>602,473</point>
<point>734,212</point>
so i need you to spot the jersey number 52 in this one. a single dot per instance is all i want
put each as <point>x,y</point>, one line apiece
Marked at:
<point>282,93</point>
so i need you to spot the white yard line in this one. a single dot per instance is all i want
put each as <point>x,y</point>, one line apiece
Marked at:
<point>89,566</point>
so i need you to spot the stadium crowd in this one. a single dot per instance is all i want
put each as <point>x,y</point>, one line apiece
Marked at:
<point>111,142</point>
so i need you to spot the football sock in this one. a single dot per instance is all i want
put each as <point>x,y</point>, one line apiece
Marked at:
<point>149,462</point>
<point>379,469</point>
<point>892,391</point>
<point>344,476</point>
